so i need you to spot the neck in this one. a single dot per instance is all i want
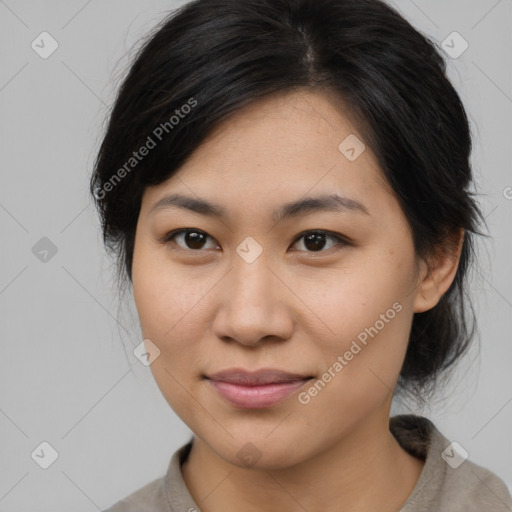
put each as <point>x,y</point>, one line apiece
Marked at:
<point>366,470</point>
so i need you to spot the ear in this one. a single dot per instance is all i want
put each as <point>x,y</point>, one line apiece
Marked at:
<point>437,274</point>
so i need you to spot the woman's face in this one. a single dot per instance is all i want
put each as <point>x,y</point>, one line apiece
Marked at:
<point>250,289</point>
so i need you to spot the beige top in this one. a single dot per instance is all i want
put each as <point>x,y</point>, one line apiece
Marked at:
<point>448,482</point>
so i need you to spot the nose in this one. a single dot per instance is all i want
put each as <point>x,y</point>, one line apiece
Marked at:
<point>253,305</point>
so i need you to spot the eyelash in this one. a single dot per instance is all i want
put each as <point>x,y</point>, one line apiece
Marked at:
<point>342,241</point>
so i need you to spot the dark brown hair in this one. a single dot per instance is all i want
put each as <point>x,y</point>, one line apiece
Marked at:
<point>211,57</point>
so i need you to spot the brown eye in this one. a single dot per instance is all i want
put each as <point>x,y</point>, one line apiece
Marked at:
<point>316,241</point>
<point>192,239</point>
<point>313,241</point>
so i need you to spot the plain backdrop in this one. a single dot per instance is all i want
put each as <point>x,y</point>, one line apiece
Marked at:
<point>67,374</point>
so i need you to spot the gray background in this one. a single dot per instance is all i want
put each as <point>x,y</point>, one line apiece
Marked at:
<point>65,377</point>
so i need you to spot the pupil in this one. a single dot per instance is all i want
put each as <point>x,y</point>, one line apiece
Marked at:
<point>317,241</point>
<point>193,237</point>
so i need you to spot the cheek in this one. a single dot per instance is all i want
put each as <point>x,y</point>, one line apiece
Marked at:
<point>342,303</point>
<point>360,364</point>
<point>364,317</point>
<point>167,298</point>
<point>169,309</point>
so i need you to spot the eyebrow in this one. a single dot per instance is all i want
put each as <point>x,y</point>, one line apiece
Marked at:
<point>326,202</point>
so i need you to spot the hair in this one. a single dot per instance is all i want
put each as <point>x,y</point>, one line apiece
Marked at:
<point>209,58</point>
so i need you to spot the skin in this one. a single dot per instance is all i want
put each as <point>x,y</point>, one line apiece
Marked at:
<point>293,308</point>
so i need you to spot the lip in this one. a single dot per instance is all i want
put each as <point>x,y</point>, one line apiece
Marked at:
<point>256,390</point>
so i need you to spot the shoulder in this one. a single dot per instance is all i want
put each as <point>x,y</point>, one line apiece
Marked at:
<point>449,481</point>
<point>150,498</point>
<point>482,489</point>
<point>163,494</point>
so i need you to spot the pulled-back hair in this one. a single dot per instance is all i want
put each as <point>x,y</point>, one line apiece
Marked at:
<point>210,58</point>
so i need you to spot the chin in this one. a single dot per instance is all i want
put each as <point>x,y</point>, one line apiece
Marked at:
<point>248,451</point>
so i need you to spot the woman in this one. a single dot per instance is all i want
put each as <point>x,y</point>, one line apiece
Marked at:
<point>285,184</point>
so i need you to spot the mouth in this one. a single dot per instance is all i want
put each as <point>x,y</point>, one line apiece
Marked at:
<point>256,390</point>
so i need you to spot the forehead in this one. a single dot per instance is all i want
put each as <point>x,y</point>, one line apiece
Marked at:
<point>293,124</point>
<point>276,149</point>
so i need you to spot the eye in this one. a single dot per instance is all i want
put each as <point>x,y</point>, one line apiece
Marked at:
<point>193,239</point>
<point>315,241</point>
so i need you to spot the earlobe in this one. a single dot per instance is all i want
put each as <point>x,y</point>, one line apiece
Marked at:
<point>436,275</point>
